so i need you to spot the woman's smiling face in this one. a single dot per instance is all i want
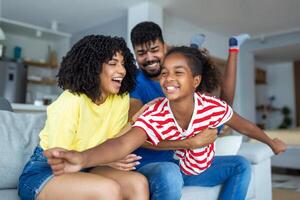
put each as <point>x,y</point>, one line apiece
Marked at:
<point>112,74</point>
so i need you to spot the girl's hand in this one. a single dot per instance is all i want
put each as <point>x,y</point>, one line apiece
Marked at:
<point>136,115</point>
<point>64,161</point>
<point>126,164</point>
<point>278,146</point>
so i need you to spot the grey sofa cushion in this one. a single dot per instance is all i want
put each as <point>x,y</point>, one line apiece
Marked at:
<point>18,138</point>
<point>9,194</point>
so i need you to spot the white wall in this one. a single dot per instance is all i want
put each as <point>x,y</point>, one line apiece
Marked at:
<point>178,32</point>
<point>280,83</point>
<point>245,93</point>
<point>117,27</point>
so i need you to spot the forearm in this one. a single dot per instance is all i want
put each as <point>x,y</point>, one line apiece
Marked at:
<point>229,79</point>
<point>167,145</point>
<point>249,129</point>
<point>176,144</point>
<point>114,149</point>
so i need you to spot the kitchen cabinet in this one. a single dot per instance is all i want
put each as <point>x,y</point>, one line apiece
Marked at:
<point>37,45</point>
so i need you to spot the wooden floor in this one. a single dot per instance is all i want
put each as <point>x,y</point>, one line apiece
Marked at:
<point>284,194</point>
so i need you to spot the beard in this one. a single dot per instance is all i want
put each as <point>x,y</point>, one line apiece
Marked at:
<point>151,74</point>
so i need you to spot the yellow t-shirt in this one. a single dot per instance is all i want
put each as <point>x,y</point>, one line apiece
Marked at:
<point>74,122</point>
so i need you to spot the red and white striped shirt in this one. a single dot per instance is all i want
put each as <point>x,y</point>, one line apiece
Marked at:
<point>159,123</point>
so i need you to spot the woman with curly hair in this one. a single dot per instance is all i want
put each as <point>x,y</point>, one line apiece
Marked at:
<point>96,76</point>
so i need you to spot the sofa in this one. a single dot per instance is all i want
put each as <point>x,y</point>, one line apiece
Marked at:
<point>19,136</point>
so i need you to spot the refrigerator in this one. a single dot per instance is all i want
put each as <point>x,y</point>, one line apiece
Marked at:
<point>13,81</point>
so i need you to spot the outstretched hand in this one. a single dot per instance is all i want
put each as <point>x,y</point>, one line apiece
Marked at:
<point>64,161</point>
<point>278,146</point>
<point>126,164</point>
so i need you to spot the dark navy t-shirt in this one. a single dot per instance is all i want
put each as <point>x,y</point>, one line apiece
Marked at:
<point>145,91</point>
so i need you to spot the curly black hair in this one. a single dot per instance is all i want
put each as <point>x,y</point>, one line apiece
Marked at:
<point>200,63</point>
<point>145,32</point>
<point>80,68</point>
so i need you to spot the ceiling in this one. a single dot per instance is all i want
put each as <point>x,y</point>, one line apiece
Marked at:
<point>226,17</point>
<point>279,54</point>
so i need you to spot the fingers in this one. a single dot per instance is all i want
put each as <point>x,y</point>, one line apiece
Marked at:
<point>123,166</point>
<point>127,166</point>
<point>280,146</point>
<point>128,163</point>
<point>57,166</point>
<point>55,161</point>
<point>131,158</point>
<point>53,152</point>
<point>136,115</point>
<point>213,131</point>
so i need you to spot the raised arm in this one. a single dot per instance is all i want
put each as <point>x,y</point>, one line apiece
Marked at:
<point>251,130</point>
<point>229,76</point>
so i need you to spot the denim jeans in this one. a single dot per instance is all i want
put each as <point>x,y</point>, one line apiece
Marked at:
<point>166,180</point>
<point>35,175</point>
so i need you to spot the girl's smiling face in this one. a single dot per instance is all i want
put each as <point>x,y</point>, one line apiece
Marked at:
<point>177,80</point>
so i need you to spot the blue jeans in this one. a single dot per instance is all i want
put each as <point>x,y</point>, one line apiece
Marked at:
<point>35,175</point>
<point>166,180</point>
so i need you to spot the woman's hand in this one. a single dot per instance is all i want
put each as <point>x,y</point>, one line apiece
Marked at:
<point>278,146</point>
<point>126,164</point>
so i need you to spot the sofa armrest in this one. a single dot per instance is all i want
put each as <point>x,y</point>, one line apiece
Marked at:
<point>255,152</point>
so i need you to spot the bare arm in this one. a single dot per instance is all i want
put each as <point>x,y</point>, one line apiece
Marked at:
<point>135,106</point>
<point>202,139</point>
<point>229,79</point>
<point>63,161</point>
<point>251,130</point>
<point>114,149</point>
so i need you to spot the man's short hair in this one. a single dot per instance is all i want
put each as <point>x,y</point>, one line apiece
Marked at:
<point>145,32</point>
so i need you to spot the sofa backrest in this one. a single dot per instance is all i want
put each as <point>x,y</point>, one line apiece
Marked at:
<point>5,105</point>
<point>18,138</point>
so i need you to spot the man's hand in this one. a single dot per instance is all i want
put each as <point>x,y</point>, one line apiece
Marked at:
<point>202,139</point>
<point>64,161</point>
<point>138,113</point>
<point>278,146</point>
<point>126,164</point>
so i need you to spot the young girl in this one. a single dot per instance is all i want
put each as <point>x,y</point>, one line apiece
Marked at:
<point>96,76</point>
<point>184,112</point>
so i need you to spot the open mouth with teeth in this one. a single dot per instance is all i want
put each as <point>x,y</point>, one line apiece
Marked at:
<point>117,80</point>
<point>152,65</point>
<point>171,89</point>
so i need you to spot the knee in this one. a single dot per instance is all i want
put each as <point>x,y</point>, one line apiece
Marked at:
<point>110,190</point>
<point>138,186</point>
<point>243,164</point>
<point>167,176</point>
